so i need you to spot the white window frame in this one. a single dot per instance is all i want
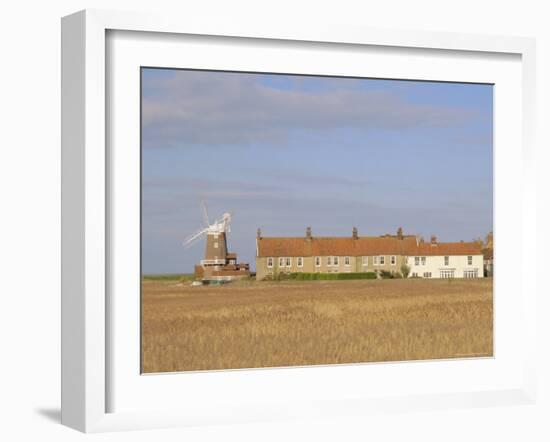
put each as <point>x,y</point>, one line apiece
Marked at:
<point>270,263</point>
<point>375,260</point>
<point>347,261</point>
<point>329,261</point>
<point>446,260</point>
<point>336,261</point>
<point>281,261</point>
<point>288,261</point>
<point>423,260</point>
<point>470,260</point>
<point>417,260</point>
<point>393,260</point>
<point>300,261</point>
<point>365,261</point>
<point>382,260</point>
<point>318,261</point>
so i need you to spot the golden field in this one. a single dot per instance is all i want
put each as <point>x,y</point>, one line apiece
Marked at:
<point>265,324</point>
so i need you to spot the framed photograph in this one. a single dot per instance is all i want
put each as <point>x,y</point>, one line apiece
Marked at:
<point>264,224</point>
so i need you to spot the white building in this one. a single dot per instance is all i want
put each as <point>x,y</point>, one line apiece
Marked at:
<point>446,260</point>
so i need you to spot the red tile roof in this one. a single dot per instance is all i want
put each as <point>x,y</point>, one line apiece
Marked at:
<point>361,246</point>
<point>448,248</point>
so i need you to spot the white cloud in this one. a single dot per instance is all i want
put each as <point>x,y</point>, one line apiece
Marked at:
<point>225,108</point>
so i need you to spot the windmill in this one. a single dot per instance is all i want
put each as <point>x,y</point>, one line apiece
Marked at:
<point>218,263</point>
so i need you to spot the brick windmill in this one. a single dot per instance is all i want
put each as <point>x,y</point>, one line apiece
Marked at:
<point>218,263</point>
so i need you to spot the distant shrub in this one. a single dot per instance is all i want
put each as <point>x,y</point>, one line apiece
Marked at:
<point>330,276</point>
<point>386,274</point>
<point>405,270</point>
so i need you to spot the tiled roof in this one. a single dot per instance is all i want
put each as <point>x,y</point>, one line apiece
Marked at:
<point>448,248</point>
<point>334,246</point>
<point>361,246</point>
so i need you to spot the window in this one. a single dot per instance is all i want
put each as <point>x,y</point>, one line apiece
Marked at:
<point>382,260</point>
<point>427,274</point>
<point>288,262</point>
<point>329,261</point>
<point>446,260</point>
<point>317,261</point>
<point>335,260</point>
<point>470,260</point>
<point>417,260</point>
<point>446,274</point>
<point>300,262</point>
<point>393,260</point>
<point>346,261</point>
<point>423,260</point>
<point>281,262</point>
<point>470,273</point>
<point>365,260</point>
<point>270,262</point>
<point>414,275</point>
<point>375,260</point>
<point>215,245</point>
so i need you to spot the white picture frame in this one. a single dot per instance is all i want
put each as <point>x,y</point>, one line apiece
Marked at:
<point>86,203</point>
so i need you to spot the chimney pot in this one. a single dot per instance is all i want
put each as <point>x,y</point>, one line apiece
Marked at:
<point>259,233</point>
<point>400,233</point>
<point>308,232</point>
<point>433,239</point>
<point>354,233</point>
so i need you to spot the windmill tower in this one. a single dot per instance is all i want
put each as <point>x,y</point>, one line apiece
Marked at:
<point>218,264</point>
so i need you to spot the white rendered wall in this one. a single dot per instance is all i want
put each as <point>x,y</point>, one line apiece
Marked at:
<point>458,263</point>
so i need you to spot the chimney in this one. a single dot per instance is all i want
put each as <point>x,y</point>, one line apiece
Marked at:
<point>433,240</point>
<point>259,233</point>
<point>354,233</point>
<point>400,233</point>
<point>308,232</point>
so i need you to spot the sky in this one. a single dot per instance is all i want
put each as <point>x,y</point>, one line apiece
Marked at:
<point>283,152</point>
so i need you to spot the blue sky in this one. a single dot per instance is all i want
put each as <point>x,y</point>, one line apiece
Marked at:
<point>283,152</point>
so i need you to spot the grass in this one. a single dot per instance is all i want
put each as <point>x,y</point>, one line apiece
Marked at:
<point>169,277</point>
<point>268,324</point>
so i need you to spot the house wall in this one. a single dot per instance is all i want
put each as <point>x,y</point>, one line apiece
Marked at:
<point>387,266</point>
<point>435,264</point>
<point>355,265</point>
